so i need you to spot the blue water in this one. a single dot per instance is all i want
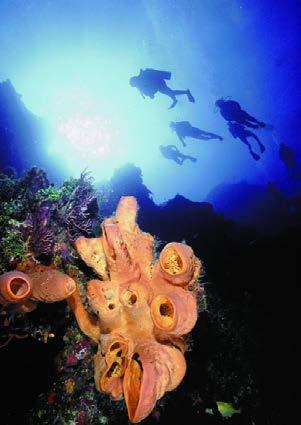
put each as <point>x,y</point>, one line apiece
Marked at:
<point>71,62</point>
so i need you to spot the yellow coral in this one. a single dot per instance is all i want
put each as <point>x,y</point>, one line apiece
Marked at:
<point>69,385</point>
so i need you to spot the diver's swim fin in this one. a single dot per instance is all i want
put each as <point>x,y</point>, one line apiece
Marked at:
<point>173,104</point>
<point>255,156</point>
<point>190,97</point>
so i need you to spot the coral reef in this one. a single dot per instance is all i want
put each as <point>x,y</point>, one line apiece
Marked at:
<point>236,348</point>
<point>143,310</point>
<point>72,398</point>
<point>40,220</point>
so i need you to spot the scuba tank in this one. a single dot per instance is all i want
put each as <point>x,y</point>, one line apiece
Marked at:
<point>156,74</point>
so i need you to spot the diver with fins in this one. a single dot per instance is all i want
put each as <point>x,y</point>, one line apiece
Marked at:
<point>238,131</point>
<point>184,129</point>
<point>173,153</point>
<point>150,81</point>
<point>231,110</point>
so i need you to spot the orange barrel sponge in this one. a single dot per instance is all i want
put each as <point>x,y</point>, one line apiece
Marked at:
<point>174,312</point>
<point>152,370</point>
<point>179,266</point>
<point>15,287</point>
<point>51,286</point>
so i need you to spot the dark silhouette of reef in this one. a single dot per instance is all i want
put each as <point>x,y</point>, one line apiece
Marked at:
<point>126,180</point>
<point>264,207</point>
<point>22,134</point>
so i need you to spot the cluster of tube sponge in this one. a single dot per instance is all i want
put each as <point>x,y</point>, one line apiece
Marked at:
<point>144,308</point>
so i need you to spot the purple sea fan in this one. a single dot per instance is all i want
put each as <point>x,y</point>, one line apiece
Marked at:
<point>37,228</point>
<point>80,210</point>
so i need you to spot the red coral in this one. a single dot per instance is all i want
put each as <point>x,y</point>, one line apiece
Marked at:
<point>71,360</point>
<point>51,398</point>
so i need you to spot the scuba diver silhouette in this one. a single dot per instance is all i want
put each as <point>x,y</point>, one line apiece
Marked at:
<point>173,153</point>
<point>150,81</point>
<point>238,131</point>
<point>288,156</point>
<point>231,110</point>
<point>185,129</point>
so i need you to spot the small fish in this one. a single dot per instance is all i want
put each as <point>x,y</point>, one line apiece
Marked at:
<point>226,409</point>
